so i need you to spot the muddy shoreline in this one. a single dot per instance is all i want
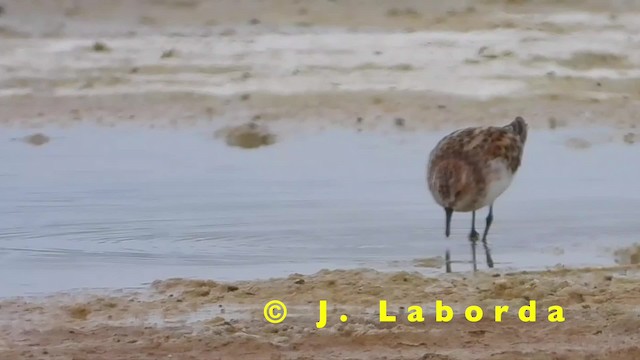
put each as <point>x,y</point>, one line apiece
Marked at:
<point>189,319</point>
<point>216,63</point>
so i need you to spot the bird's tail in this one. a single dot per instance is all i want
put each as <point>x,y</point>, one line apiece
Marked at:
<point>519,127</point>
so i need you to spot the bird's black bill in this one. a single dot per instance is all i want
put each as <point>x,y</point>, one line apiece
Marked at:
<point>449,212</point>
<point>447,257</point>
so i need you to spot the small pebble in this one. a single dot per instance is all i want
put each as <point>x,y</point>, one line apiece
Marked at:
<point>36,139</point>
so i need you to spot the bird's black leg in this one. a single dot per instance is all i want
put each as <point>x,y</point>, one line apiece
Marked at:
<point>484,237</point>
<point>447,255</point>
<point>473,237</point>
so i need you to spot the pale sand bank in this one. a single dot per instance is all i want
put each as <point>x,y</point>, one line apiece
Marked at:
<point>189,319</point>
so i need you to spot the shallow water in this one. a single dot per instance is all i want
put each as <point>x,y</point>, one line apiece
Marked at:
<point>100,207</point>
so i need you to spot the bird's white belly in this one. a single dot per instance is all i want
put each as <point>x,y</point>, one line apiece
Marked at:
<point>499,179</point>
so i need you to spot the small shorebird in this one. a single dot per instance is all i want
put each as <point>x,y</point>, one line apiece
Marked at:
<point>470,168</point>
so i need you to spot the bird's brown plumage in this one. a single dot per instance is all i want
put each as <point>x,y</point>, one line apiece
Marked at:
<point>459,165</point>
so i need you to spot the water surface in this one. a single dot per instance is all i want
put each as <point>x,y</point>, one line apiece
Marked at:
<point>120,207</point>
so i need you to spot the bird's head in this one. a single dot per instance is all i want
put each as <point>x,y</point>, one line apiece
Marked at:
<point>452,185</point>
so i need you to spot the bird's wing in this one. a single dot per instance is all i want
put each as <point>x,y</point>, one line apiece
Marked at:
<point>484,144</point>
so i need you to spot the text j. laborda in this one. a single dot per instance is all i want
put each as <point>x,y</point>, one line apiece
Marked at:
<point>275,312</point>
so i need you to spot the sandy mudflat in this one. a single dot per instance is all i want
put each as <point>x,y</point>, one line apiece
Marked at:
<point>321,64</point>
<point>195,319</point>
